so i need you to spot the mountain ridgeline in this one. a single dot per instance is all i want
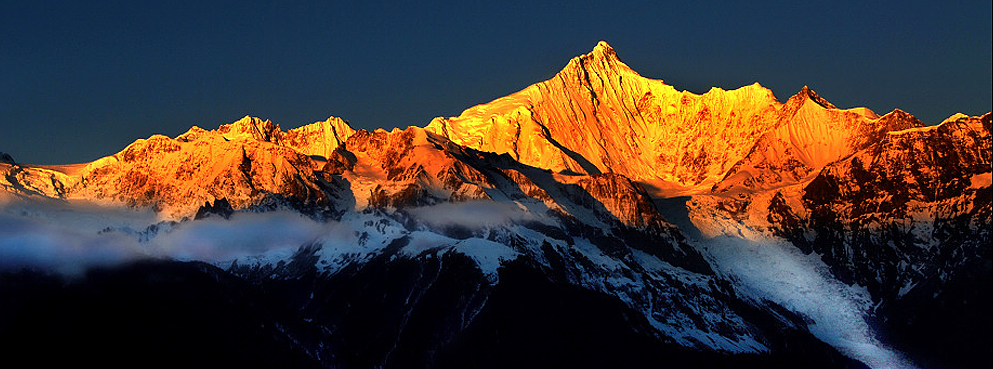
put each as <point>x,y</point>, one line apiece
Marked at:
<point>596,219</point>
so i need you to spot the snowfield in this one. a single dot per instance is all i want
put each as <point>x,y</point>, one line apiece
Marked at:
<point>770,269</point>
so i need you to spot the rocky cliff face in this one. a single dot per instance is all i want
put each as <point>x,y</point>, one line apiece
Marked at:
<point>908,218</point>
<point>924,192</point>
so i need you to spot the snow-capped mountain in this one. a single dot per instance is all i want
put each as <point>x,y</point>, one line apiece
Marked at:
<point>250,162</point>
<point>597,218</point>
<point>811,134</point>
<point>599,116</point>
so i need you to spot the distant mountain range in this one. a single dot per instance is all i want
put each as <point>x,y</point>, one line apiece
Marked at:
<point>596,219</point>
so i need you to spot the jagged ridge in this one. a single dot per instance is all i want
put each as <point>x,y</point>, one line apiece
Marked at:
<point>584,153</point>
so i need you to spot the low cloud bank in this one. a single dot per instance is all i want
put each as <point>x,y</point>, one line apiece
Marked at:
<point>472,214</point>
<point>70,238</point>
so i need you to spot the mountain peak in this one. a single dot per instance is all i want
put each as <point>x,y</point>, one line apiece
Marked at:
<point>340,126</point>
<point>249,121</point>
<point>898,113</point>
<point>6,158</point>
<point>955,117</point>
<point>603,49</point>
<point>318,138</point>
<point>602,59</point>
<point>249,127</point>
<point>806,93</point>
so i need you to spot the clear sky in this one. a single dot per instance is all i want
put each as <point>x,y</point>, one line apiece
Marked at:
<point>79,81</point>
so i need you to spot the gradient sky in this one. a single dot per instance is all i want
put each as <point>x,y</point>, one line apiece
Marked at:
<point>79,81</point>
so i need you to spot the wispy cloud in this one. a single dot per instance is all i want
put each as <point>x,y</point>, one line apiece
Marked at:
<point>472,214</point>
<point>72,238</point>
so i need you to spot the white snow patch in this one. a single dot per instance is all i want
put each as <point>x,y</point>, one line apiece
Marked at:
<point>595,255</point>
<point>654,264</point>
<point>906,288</point>
<point>421,242</point>
<point>355,238</point>
<point>488,255</point>
<point>771,269</point>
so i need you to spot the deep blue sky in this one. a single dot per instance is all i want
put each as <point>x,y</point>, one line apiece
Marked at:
<point>79,81</point>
